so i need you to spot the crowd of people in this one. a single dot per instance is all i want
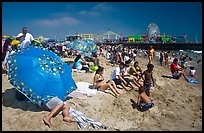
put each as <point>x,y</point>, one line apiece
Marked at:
<point>123,75</point>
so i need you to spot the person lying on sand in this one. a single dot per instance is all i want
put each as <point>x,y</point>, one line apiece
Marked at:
<point>144,101</point>
<point>55,105</point>
<point>100,85</point>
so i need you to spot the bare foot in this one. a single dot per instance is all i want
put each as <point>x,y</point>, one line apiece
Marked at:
<point>47,122</point>
<point>117,95</point>
<point>126,89</point>
<point>69,120</point>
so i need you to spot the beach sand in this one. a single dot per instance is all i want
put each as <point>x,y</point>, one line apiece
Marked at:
<point>178,106</point>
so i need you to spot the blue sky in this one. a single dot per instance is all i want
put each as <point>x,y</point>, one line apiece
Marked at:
<point>51,19</point>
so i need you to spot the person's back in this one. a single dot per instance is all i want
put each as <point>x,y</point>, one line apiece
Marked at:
<point>192,72</point>
<point>144,97</point>
<point>78,64</point>
<point>114,73</point>
<point>144,101</point>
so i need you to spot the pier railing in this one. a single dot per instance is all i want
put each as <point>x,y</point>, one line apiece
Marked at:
<point>161,46</point>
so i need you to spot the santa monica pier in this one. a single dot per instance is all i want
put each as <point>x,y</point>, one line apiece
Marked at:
<point>152,37</point>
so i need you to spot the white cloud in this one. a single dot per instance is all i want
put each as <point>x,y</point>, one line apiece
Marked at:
<point>103,7</point>
<point>97,10</point>
<point>60,14</point>
<point>57,21</point>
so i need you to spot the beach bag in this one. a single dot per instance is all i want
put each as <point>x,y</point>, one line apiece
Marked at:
<point>94,68</point>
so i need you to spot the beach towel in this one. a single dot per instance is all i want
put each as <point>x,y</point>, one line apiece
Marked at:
<point>80,71</point>
<point>193,81</point>
<point>82,120</point>
<point>83,91</point>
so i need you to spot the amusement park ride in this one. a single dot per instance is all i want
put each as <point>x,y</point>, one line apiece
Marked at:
<point>152,36</point>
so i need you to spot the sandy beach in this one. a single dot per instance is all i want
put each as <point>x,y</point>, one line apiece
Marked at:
<point>178,106</point>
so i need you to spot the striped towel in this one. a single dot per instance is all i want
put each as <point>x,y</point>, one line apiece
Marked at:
<point>82,120</point>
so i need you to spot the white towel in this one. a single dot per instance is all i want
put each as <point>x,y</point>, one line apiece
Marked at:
<point>82,120</point>
<point>85,90</point>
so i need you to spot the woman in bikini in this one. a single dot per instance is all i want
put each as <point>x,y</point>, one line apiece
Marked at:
<point>100,85</point>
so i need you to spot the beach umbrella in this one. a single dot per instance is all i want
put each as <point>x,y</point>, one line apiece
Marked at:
<point>6,37</point>
<point>37,43</point>
<point>83,45</point>
<point>40,75</point>
<point>15,42</point>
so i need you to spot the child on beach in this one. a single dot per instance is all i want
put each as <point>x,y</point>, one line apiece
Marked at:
<point>144,102</point>
<point>161,58</point>
<point>192,71</point>
<point>55,105</point>
<point>100,85</point>
<point>148,78</point>
<point>166,59</point>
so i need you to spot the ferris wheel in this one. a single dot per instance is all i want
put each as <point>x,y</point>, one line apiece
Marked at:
<point>153,30</point>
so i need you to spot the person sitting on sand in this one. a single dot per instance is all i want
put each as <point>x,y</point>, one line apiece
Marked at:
<point>55,105</point>
<point>118,74</point>
<point>176,70</point>
<point>148,78</point>
<point>132,80</point>
<point>144,102</point>
<point>100,85</point>
<point>135,70</point>
<point>79,63</point>
<point>96,62</point>
<point>192,72</point>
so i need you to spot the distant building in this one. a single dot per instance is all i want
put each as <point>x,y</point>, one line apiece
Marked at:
<point>72,37</point>
<point>87,36</point>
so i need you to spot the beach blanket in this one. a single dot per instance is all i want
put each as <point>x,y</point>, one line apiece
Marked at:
<point>83,91</point>
<point>82,120</point>
<point>80,71</point>
<point>193,81</point>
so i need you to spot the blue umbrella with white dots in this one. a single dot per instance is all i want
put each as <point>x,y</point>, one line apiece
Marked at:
<point>40,75</point>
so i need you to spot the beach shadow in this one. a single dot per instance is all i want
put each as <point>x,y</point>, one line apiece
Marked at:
<point>166,76</point>
<point>4,72</point>
<point>119,87</point>
<point>142,110</point>
<point>9,99</point>
<point>91,86</point>
<point>134,104</point>
<point>108,92</point>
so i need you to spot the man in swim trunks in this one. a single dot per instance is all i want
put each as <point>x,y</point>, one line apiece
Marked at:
<point>150,53</point>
